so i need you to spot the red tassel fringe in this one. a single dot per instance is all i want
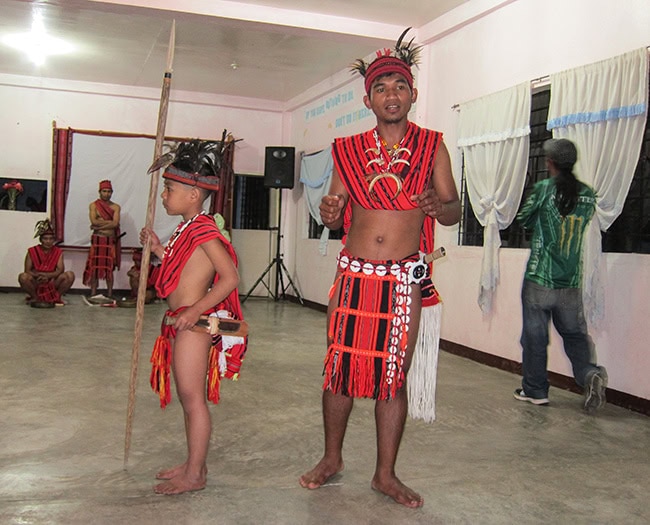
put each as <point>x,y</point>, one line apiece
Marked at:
<point>161,365</point>
<point>214,379</point>
<point>360,381</point>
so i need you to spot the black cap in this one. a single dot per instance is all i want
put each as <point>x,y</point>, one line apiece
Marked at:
<point>561,151</point>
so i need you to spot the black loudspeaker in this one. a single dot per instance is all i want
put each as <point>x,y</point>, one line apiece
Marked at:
<point>279,165</point>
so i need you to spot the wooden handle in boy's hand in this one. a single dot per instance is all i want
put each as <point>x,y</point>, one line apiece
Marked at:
<point>216,325</point>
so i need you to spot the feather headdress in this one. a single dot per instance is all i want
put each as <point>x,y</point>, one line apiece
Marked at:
<point>43,227</point>
<point>398,60</point>
<point>195,162</point>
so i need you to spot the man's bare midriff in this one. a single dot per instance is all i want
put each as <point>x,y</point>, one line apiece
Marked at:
<point>384,234</point>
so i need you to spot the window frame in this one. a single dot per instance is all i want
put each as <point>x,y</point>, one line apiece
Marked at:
<point>630,232</point>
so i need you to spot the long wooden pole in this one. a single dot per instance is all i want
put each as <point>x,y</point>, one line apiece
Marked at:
<point>146,252</point>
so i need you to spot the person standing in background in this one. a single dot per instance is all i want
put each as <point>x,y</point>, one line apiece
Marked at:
<point>104,254</point>
<point>558,212</point>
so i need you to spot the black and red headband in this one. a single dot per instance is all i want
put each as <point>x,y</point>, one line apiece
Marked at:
<point>400,60</point>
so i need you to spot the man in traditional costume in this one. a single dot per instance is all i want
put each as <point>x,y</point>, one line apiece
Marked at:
<point>198,277</point>
<point>45,279</point>
<point>389,186</point>
<point>104,255</point>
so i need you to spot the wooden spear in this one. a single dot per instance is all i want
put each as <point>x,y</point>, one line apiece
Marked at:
<point>146,252</point>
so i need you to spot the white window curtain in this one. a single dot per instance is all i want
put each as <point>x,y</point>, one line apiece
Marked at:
<point>494,135</point>
<point>602,108</point>
<point>316,174</point>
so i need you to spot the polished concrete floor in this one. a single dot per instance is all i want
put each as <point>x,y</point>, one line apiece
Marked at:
<point>487,459</point>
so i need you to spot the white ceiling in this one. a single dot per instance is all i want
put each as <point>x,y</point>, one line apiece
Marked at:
<point>281,47</point>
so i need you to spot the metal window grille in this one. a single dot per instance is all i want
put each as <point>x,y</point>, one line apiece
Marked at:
<point>251,199</point>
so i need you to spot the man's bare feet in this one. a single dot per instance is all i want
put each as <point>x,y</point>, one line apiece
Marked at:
<point>179,485</point>
<point>319,475</point>
<point>394,488</point>
<point>171,472</point>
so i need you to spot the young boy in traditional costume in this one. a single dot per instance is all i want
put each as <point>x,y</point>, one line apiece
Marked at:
<point>105,250</point>
<point>45,279</point>
<point>389,186</point>
<point>198,276</point>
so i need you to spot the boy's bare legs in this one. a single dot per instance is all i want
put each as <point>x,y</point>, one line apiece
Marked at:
<point>190,364</point>
<point>174,471</point>
<point>336,412</point>
<point>390,417</point>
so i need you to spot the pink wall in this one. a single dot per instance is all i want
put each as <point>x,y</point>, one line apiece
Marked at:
<point>28,107</point>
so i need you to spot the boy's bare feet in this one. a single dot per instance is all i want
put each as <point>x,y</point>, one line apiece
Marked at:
<point>394,488</point>
<point>179,485</point>
<point>180,481</point>
<point>319,475</point>
<point>171,472</point>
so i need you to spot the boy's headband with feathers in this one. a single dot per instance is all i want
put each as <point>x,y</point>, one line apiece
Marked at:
<point>195,162</point>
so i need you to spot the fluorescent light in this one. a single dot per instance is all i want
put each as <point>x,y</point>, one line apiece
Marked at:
<point>37,44</point>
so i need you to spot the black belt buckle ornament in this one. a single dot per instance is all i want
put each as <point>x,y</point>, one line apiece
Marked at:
<point>418,270</point>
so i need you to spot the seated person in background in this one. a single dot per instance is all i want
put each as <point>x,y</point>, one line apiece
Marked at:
<point>45,279</point>
<point>134,276</point>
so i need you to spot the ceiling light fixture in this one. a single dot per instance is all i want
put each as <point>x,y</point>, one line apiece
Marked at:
<point>37,44</point>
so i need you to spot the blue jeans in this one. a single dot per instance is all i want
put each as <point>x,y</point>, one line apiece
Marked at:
<point>564,307</point>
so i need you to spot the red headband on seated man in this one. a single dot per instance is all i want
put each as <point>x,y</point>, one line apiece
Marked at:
<point>105,185</point>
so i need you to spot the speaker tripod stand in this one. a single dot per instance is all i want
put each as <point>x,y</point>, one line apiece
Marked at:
<point>280,269</point>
